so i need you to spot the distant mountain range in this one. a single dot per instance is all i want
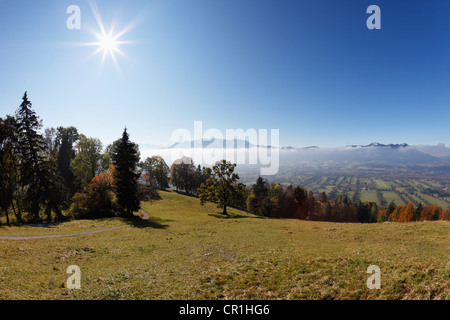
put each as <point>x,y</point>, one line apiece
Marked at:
<point>373,152</point>
<point>440,150</point>
<point>292,148</point>
<point>380,145</point>
<point>214,143</point>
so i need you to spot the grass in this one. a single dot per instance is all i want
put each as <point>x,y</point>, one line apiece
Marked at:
<point>432,200</point>
<point>187,251</point>
<point>388,196</point>
<point>380,183</point>
<point>368,196</point>
<point>62,228</point>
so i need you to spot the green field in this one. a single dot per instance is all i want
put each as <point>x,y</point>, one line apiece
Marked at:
<point>368,196</point>
<point>433,200</point>
<point>388,188</point>
<point>186,251</point>
<point>379,183</point>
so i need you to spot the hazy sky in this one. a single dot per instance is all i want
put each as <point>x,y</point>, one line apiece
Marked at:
<point>309,68</point>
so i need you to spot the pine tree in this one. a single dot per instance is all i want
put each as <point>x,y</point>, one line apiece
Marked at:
<point>66,137</point>
<point>301,197</point>
<point>258,196</point>
<point>323,197</point>
<point>31,145</point>
<point>418,212</point>
<point>38,174</point>
<point>125,158</point>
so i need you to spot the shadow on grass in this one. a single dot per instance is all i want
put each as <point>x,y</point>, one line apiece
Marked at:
<point>229,216</point>
<point>42,225</point>
<point>154,223</point>
<point>183,193</point>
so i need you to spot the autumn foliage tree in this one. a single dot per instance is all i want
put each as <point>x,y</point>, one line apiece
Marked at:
<point>87,162</point>
<point>406,213</point>
<point>97,199</point>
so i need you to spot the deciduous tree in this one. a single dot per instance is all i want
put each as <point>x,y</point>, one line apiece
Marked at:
<point>157,168</point>
<point>222,187</point>
<point>182,174</point>
<point>87,162</point>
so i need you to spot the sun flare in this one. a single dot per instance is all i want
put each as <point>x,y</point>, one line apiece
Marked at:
<point>108,43</point>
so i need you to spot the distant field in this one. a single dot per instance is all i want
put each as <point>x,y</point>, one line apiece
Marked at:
<point>433,200</point>
<point>388,196</point>
<point>379,183</point>
<point>410,190</point>
<point>187,251</point>
<point>368,196</point>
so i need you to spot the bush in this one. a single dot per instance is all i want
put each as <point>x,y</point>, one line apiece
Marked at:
<point>96,201</point>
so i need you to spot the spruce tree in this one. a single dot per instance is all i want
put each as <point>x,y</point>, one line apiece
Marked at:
<point>66,137</point>
<point>125,158</point>
<point>38,175</point>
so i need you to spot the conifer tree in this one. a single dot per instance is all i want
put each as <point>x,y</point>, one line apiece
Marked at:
<point>37,174</point>
<point>65,138</point>
<point>125,158</point>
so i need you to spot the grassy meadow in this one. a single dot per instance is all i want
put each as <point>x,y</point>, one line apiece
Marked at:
<point>186,251</point>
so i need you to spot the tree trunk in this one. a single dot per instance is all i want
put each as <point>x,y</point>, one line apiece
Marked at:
<point>59,216</point>
<point>225,213</point>
<point>18,213</point>
<point>7,217</point>
<point>129,213</point>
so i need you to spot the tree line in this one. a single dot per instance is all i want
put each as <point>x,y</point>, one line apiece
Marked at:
<point>221,185</point>
<point>62,174</point>
<point>272,200</point>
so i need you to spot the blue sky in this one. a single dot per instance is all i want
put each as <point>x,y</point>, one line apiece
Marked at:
<point>311,69</point>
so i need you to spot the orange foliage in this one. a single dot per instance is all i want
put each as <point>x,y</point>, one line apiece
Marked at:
<point>383,215</point>
<point>431,213</point>
<point>406,213</point>
<point>105,179</point>
<point>446,215</point>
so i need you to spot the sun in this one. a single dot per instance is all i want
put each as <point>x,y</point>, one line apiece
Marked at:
<point>108,44</point>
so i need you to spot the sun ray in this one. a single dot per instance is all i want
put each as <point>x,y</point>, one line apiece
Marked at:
<point>97,15</point>
<point>108,41</point>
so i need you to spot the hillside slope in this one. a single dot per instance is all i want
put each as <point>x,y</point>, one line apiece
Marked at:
<point>187,251</point>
